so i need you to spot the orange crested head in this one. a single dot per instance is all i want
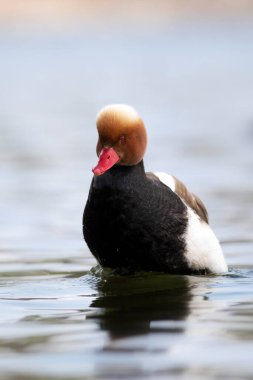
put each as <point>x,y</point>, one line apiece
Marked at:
<point>122,137</point>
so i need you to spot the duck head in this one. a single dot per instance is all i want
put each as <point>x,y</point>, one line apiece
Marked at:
<point>122,137</point>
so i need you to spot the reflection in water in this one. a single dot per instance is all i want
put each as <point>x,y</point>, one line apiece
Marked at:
<point>127,305</point>
<point>108,326</point>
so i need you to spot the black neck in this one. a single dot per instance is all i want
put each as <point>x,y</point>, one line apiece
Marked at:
<point>137,170</point>
<point>120,173</point>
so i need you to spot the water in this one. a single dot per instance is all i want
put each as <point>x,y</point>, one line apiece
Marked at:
<point>193,85</point>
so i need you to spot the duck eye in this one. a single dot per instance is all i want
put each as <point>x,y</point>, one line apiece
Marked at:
<point>122,139</point>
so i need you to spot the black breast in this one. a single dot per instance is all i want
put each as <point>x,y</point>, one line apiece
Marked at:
<point>134,223</point>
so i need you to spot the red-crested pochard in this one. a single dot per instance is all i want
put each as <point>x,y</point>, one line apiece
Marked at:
<point>135,221</point>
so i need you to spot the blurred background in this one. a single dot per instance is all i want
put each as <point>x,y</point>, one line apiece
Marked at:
<point>187,68</point>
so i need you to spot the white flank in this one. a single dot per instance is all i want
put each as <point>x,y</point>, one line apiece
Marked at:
<point>166,179</point>
<point>203,250</point>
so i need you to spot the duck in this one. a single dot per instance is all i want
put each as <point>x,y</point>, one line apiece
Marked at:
<point>136,221</point>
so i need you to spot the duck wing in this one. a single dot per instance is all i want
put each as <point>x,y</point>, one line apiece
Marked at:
<point>181,190</point>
